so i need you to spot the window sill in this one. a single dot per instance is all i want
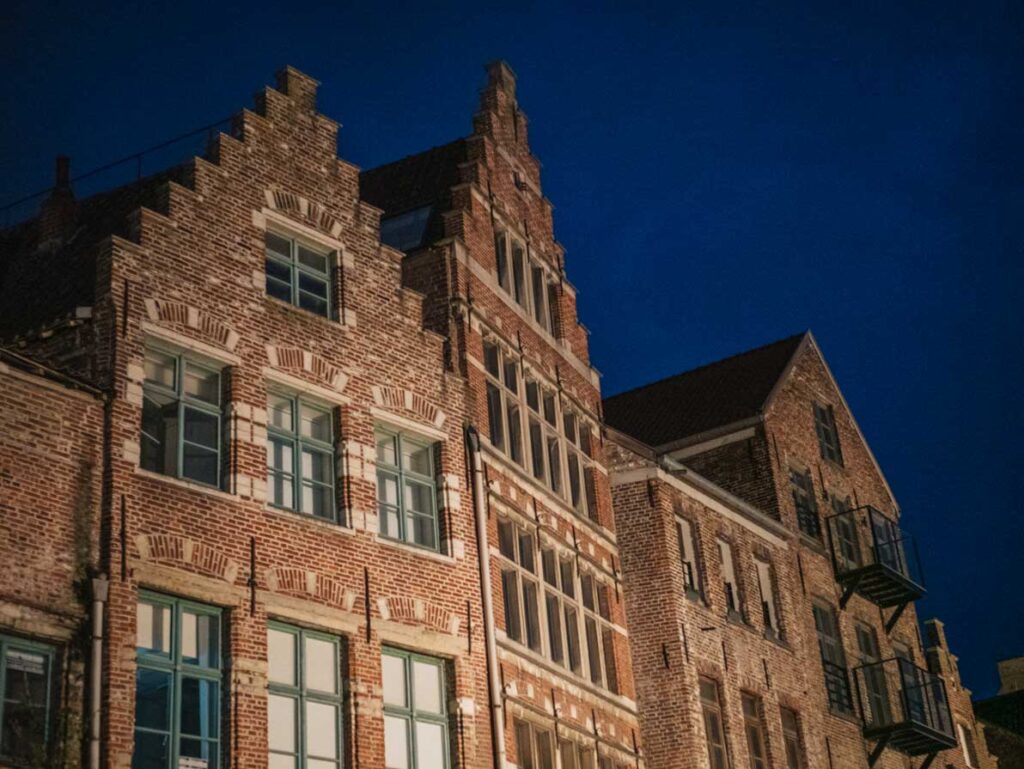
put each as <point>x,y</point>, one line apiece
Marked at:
<point>181,483</point>
<point>813,544</point>
<point>308,520</point>
<point>423,552</point>
<point>333,322</point>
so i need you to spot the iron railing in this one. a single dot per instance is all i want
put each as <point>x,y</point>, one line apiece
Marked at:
<point>904,704</point>
<point>125,171</point>
<point>869,549</point>
<point>837,687</point>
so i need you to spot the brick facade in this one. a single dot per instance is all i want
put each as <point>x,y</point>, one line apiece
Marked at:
<point>448,319</point>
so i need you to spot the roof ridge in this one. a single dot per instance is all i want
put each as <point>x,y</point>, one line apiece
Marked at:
<point>703,366</point>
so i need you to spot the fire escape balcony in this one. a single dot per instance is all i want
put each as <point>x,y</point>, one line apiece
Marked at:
<point>904,707</point>
<point>873,557</point>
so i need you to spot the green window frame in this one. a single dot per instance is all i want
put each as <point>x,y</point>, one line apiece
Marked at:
<point>299,273</point>
<point>407,489</point>
<point>181,417</point>
<point>304,688</point>
<point>178,682</point>
<point>300,455</point>
<point>27,699</point>
<point>416,723</point>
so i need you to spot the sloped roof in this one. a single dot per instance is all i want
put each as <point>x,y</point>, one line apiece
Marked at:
<point>414,181</point>
<point>1005,710</point>
<point>704,398</point>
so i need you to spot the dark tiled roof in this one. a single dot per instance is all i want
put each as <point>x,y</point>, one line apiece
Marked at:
<point>414,181</point>
<point>1005,710</point>
<point>703,399</point>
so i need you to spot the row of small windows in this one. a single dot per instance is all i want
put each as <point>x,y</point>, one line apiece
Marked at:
<point>179,693</point>
<point>183,437</point>
<point>536,745</point>
<point>525,280</point>
<point>689,554</point>
<point>754,732</point>
<point>558,449</point>
<point>574,627</point>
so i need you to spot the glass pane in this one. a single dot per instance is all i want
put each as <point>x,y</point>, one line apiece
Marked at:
<point>279,411</point>
<point>426,686</point>
<point>416,458</point>
<point>200,707</point>
<point>201,427</point>
<point>153,628</point>
<point>316,763</point>
<point>279,289</point>
<point>199,639</point>
<point>153,699</point>
<point>318,500</point>
<point>321,729</point>
<point>278,245</point>
<point>161,368</point>
<point>202,384</point>
<point>390,521</point>
<point>429,745</point>
<point>313,303</point>
<point>151,751</point>
<point>421,530</point>
<point>281,723</point>
<point>491,360</point>
<point>316,466</point>
<point>396,743</point>
<point>281,490</point>
<point>277,761</point>
<point>159,433</point>
<point>200,464</point>
<point>321,665</point>
<point>312,259</point>
<point>281,656</point>
<point>386,452</point>
<point>393,673</point>
<point>387,488</point>
<point>279,455</point>
<point>419,497</point>
<point>203,750</point>
<point>316,422</point>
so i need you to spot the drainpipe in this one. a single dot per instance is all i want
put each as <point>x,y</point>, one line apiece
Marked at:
<point>483,551</point>
<point>100,588</point>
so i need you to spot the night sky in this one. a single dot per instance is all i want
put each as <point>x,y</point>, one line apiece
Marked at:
<point>722,177</point>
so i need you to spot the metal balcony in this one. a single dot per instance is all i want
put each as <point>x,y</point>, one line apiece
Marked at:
<point>873,557</point>
<point>904,707</point>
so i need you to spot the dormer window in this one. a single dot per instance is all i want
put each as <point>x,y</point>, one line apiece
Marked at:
<point>299,273</point>
<point>828,434</point>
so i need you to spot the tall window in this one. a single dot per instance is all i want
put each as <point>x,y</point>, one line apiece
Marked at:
<point>503,409</point>
<point>415,711</point>
<point>562,614</point>
<point>545,454</point>
<point>525,280</point>
<point>300,455</point>
<point>519,584</point>
<point>828,434</point>
<point>304,702</point>
<point>406,489</point>
<point>581,473</point>
<point>181,417</point>
<point>754,729</point>
<point>714,730</point>
<point>599,633</point>
<point>688,557</point>
<point>846,546</point>
<point>575,756</point>
<point>177,684</point>
<point>501,259</point>
<point>298,273</point>
<point>807,516</point>
<point>26,700</point>
<point>733,598</point>
<point>966,739</point>
<point>534,749</point>
<point>876,688</point>
<point>791,739</point>
<point>833,659</point>
<point>769,608</point>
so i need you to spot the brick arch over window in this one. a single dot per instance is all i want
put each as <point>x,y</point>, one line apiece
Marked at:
<point>399,399</point>
<point>181,551</point>
<point>304,583</point>
<point>304,362</point>
<point>418,612</point>
<point>303,209</point>
<point>199,323</point>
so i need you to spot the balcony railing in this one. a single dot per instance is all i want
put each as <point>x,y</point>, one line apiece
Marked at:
<point>903,707</point>
<point>872,556</point>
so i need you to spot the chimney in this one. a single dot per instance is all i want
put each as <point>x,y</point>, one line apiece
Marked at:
<point>299,86</point>
<point>58,212</point>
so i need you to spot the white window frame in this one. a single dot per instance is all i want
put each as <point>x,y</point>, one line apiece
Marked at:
<point>768,594</point>
<point>730,583</point>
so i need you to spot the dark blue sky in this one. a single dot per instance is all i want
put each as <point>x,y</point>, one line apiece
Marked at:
<point>723,175</point>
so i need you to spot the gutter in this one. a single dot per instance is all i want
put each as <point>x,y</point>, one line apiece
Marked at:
<point>483,553</point>
<point>100,590</point>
